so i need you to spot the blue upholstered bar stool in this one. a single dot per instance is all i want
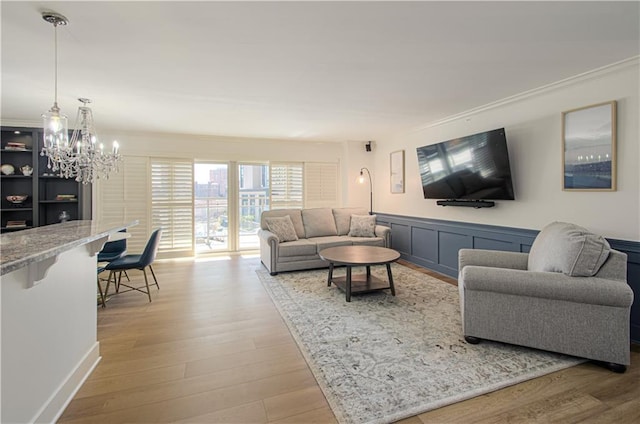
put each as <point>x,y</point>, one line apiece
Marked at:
<point>140,262</point>
<point>111,251</point>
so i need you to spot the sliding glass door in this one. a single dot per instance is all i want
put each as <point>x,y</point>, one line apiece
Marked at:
<point>211,207</point>
<point>253,196</point>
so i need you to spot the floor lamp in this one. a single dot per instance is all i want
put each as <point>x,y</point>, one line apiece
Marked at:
<point>361,181</point>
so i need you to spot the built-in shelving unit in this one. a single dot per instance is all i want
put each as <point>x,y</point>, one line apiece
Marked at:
<point>48,196</point>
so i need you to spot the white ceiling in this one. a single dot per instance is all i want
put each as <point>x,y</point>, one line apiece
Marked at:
<point>329,71</point>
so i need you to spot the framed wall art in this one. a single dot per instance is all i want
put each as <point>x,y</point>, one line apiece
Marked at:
<point>589,148</point>
<point>397,171</point>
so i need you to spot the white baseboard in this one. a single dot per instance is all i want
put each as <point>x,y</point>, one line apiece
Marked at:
<point>56,404</point>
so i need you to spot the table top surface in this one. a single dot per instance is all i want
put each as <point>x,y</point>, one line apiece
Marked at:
<point>21,248</point>
<point>359,255</point>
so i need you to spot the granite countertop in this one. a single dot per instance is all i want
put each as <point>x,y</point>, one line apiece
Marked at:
<point>20,248</point>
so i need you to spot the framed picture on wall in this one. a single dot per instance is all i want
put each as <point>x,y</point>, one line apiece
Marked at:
<point>589,148</point>
<point>397,171</point>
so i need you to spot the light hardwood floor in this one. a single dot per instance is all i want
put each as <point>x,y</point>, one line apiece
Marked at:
<point>212,348</point>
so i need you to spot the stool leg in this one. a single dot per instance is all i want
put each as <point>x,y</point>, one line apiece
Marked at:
<point>146,281</point>
<point>154,277</point>
<point>106,291</point>
<point>101,293</point>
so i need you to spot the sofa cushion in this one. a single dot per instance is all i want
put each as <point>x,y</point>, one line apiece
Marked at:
<point>331,241</point>
<point>282,227</point>
<point>342,217</point>
<point>568,248</point>
<point>318,222</point>
<point>300,247</point>
<point>362,226</point>
<point>294,214</point>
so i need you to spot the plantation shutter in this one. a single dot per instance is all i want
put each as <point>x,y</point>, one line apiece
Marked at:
<point>124,197</point>
<point>321,185</point>
<point>286,185</point>
<point>172,204</point>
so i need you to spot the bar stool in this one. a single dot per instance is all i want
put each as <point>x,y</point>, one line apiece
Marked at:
<point>140,262</point>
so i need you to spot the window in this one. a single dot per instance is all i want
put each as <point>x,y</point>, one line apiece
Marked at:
<point>206,207</point>
<point>172,204</point>
<point>320,185</point>
<point>253,198</point>
<point>211,185</point>
<point>286,185</point>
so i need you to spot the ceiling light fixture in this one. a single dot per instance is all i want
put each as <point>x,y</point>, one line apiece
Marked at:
<point>55,124</point>
<point>82,158</point>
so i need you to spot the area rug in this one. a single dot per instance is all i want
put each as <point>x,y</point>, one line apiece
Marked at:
<point>382,358</point>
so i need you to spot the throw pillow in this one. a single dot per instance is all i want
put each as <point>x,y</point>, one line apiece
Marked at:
<point>282,227</point>
<point>362,226</point>
<point>319,222</point>
<point>568,248</point>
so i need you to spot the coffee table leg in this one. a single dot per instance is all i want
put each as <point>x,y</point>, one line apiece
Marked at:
<point>348,283</point>
<point>330,274</point>
<point>393,289</point>
<point>368,273</point>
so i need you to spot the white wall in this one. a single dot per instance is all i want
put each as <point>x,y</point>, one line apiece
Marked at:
<point>533,127</point>
<point>217,148</point>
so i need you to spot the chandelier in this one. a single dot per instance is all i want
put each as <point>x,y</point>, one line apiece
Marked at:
<point>83,157</point>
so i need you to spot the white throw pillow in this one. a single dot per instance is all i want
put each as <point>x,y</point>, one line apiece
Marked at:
<point>282,227</point>
<point>362,226</point>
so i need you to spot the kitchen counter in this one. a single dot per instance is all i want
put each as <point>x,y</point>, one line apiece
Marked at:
<point>21,248</point>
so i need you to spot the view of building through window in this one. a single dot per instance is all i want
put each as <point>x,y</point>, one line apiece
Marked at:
<point>253,193</point>
<point>211,207</point>
<point>214,220</point>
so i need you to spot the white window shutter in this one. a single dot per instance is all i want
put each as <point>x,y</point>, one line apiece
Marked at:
<point>321,185</point>
<point>124,198</point>
<point>286,189</point>
<point>172,204</point>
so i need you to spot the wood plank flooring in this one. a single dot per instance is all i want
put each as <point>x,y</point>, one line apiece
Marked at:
<point>212,348</point>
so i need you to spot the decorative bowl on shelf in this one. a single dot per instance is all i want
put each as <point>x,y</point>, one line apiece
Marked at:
<point>26,170</point>
<point>7,169</point>
<point>17,199</point>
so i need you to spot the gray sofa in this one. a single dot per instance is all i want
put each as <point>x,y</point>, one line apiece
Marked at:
<point>315,229</point>
<point>568,295</point>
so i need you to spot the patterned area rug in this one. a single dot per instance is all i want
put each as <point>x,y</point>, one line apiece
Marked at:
<point>382,358</point>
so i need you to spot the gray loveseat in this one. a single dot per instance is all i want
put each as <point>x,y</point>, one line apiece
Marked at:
<point>568,295</point>
<point>315,229</point>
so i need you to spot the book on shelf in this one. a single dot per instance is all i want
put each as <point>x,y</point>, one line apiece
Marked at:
<point>16,224</point>
<point>14,145</point>
<point>66,197</point>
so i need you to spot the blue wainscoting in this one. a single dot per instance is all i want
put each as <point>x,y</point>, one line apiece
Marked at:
<point>434,244</point>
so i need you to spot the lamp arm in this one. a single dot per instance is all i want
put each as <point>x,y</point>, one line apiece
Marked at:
<point>370,190</point>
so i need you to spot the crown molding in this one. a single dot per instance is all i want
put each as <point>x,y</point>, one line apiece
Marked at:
<point>585,76</point>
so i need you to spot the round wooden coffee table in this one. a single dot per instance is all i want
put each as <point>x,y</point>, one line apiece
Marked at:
<point>351,256</point>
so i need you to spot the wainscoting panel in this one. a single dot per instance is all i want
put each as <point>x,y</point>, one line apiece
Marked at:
<point>449,243</point>
<point>434,244</point>
<point>402,235</point>
<point>428,248</point>
<point>491,244</point>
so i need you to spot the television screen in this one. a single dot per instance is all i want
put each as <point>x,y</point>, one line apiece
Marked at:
<point>475,167</point>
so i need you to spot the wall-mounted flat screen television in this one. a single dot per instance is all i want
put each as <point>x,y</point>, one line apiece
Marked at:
<point>475,167</point>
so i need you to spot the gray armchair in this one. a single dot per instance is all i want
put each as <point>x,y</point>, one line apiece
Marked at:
<point>540,300</point>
